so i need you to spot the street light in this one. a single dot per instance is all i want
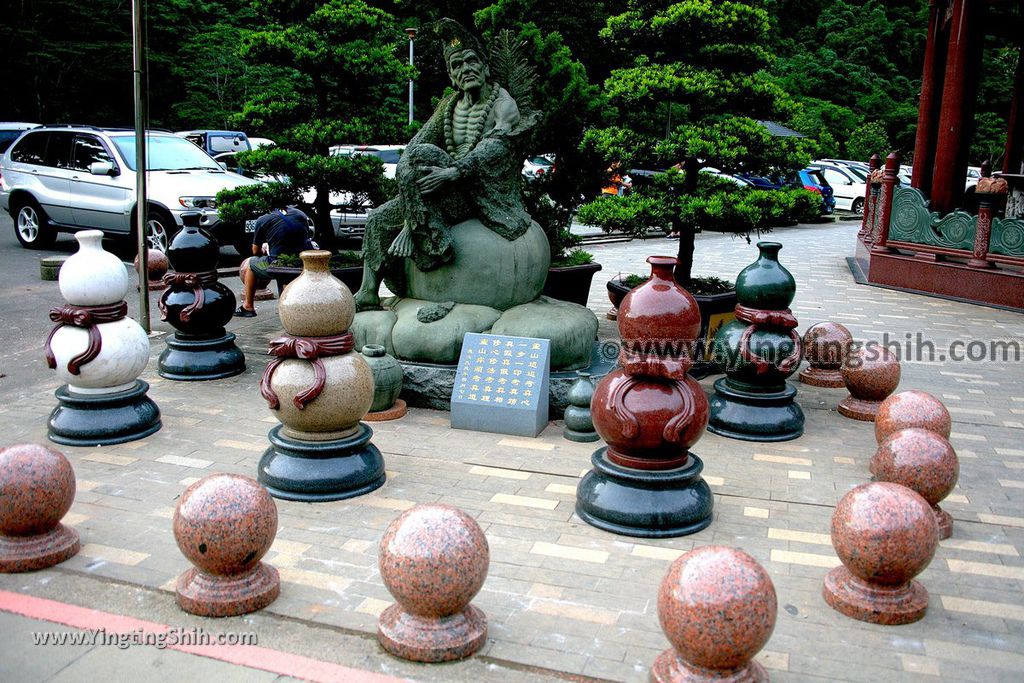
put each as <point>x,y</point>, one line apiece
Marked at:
<point>411,32</point>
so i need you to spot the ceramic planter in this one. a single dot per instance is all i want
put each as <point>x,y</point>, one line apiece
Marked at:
<point>571,283</point>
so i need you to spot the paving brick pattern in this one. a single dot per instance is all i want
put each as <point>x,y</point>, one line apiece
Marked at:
<point>562,596</point>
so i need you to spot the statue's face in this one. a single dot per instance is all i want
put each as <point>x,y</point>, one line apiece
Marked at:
<point>467,70</point>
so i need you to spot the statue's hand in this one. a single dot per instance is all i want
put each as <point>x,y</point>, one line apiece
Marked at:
<point>401,247</point>
<point>435,177</point>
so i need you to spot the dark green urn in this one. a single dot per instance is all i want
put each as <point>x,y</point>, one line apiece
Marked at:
<point>759,350</point>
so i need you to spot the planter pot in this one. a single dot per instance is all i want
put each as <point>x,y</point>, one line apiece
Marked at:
<point>352,276</point>
<point>716,310</point>
<point>571,283</point>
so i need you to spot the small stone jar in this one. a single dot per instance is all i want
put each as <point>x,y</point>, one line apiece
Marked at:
<point>387,384</point>
<point>579,423</point>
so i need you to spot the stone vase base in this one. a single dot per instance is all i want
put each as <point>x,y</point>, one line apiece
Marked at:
<point>396,411</point>
<point>644,503</point>
<point>669,667</point>
<point>755,416</point>
<point>189,359</point>
<point>315,471</point>
<point>29,553</point>
<point>945,522</point>
<point>580,437</point>
<point>818,377</point>
<point>431,639</point>
<point>227,596</point>
<point>103,419</point>
<point>877,604</point>
<point>859,409</point>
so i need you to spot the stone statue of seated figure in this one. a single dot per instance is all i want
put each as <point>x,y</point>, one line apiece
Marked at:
<point>457,245</point>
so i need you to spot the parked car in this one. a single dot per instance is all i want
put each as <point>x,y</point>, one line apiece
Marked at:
<point>11,131</point>
<point>759,182</point>
<point>536,166</point>
<point>848,183</point>
<point>813,180</point>
<point>349,217</point>
<point>67,178</point>
<point>217,141</point>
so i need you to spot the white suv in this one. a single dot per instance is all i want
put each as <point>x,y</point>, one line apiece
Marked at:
<point>68,178</point>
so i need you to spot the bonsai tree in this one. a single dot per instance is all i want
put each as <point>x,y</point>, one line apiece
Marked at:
<point>340,79</point>
<point>692,95</point>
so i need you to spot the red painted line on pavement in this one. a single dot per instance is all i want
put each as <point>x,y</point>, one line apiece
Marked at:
<point>251,656</point>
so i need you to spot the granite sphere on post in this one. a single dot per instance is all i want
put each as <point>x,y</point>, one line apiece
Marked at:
<point>924,462</point>
<point>224,524</point>
<point>871,374</point>
<point>717,606</point>
<point>826,346</point>
<point>912,408</point>
<point>37,488</point>
<point>433,559</point>
<point>157,266</point>
<point>885,535</point>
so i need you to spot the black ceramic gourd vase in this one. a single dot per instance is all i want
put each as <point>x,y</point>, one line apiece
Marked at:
<point>198,306</point>
<point>759,350</point>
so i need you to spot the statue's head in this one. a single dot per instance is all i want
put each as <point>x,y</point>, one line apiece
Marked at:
<point>464,56</point>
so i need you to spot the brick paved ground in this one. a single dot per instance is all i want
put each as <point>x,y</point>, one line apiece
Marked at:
<point>562,597</point>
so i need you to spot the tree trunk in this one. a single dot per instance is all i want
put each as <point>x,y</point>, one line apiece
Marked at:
<point>324,230</point>
<point>687,233</point>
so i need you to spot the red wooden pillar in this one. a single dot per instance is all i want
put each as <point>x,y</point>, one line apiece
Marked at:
<point>929,105</point>
<point>890,179</point>
<point>869,200</point>
<point>1015,132</point>
<point>955,120</point>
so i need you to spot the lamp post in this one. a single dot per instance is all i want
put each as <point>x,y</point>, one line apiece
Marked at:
<point>411,32</point>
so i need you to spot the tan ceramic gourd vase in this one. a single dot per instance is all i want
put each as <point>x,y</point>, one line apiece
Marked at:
<point>320,389</point>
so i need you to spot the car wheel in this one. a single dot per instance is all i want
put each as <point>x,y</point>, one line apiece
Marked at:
<point>32,227</point>
<point>160,230</point>
<point>858,206</point>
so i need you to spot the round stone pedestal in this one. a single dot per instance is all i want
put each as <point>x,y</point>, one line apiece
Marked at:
<point>826,346</point>
<point>434,560</point>
<point>103,419</point>
<point>755,415</point>
<point>196,358</point>
<point>925,463</point>
<point>37,488</point>
<point>315,471</point>
<point>717,606</point>
<point>644,503</point>
<point>224,524</point>
<point>885,535</point>
<point>871,374</point>
<point>912,408</point>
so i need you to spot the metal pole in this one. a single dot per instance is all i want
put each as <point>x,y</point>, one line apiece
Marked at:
<point>412,35</point>
<point>138,58</point>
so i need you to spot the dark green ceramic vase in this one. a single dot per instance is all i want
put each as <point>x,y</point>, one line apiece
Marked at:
<point>759,350</point>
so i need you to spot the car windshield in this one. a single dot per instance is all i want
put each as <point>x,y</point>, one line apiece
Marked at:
<point>388,156</point>
<point>166,153</point>
<point>540,161</point>
<point>859,172</point>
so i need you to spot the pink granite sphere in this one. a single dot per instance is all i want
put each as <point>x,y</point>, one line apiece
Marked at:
<point>871,373</point>
<point>434,559</point>
<point>826,346</point>
<point>884,533</point>
<point>912,408</point>
<point>717,606</point>
<point>225,523</point>
<point>157,264</point>
<point>37,488</point>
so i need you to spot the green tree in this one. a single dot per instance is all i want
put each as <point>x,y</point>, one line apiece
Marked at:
<point>692,94</point>
<point>867,139</point>
<point>340,78</point>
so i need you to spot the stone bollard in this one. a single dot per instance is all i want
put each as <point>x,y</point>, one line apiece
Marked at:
<point>433,559</point>
<point>37,488</point>
<point>761,348</point>
<point>49,267</point>
<point>912,408</point>
<point>157,266</point>
<point>98,352</point>
<point>319,390</point>
<point>826,346</point>
<point>199,307</point>
<point>717,606</point>
<point>871,374</point>
<point>224,524</point>
<point>388,376</point>
<point>646,482</point>
<point>925,463</point>
<point>885,535</point>
<point>579,422</point>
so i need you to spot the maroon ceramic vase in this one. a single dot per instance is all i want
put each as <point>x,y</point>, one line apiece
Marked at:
<point>37,488</point>
<point>717,606</point>
<point>885,535</point>
<point>913,408</point>
<point>826,346</point>
<point>871,374</point>
<point>924,462</point>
